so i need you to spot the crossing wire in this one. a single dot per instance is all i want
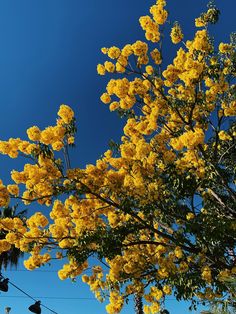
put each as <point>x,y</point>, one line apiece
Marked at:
<point>29,296</point>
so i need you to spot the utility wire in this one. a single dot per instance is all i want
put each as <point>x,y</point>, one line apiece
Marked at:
<point>38,271</point>
<point>65,298</point>
<point>29,296</point>
<point>22,291</point>
<point>52,298</point>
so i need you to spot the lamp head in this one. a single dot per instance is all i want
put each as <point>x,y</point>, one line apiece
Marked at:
<point>4,285</point>
<point>35,308</point>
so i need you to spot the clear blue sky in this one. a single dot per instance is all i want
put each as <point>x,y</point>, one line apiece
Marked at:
<point>49,50</point>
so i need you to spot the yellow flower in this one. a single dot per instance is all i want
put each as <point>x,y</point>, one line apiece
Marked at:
<point>34,133</point>
<point>11,237</point>
<point>140,48</point>
<point>167,289</point>
<point>156,56</point>
<point>66,113</point>
<point>159,13</point>
<point>176,34</point>
<point>201,41</point>
<point>58,145</point>
<point>149,69</point>
<point>155,308</point>
<point>104,50</point>
<point>178,252</point>
<point>4,196</point>
<point>199,22</point>
<point>114,105</point>
<point>71,140</point>
<point>223,136</point>
<point>156,293</point>
<point>37,220</point>
<point>101,69</point>
<point>109,66</point>
<point>85,278</point>
<point>190,216</point>
<point>121,64</point>
<point>127,50</point>
<point>151,28</point>
<point>146,309</point>
<point>4,246</point>
<point>224,275</point>
<point>225,48</point>
<point>114,52</point>
<point>13,189</point>
<point>62,274</point>
<point>121,88</point>
<point>105,98</point>
<point>206,274</point>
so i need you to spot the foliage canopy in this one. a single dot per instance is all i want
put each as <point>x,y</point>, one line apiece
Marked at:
<point>158,209</point>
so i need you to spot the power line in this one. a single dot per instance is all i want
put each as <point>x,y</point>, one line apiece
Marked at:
<point>36,271</point>
<point>29,296</point>
<point>64,298</point>
<point>22,291</point>
<point>52,298</point>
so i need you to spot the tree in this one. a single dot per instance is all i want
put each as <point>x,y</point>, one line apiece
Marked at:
<point>157,210</point>
<point>227,306</point>
<point>12,256</point>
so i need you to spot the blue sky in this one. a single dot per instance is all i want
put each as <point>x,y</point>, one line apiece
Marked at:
<point>48,56</point>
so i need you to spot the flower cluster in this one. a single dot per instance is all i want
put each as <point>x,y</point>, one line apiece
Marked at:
<point>157,208</point>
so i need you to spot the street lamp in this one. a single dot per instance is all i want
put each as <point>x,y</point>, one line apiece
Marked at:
<point>4,284</point>
<point>35,308</point>
<point>7,309</point>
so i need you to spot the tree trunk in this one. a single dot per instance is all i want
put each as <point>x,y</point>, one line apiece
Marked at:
<point>138,304</point>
